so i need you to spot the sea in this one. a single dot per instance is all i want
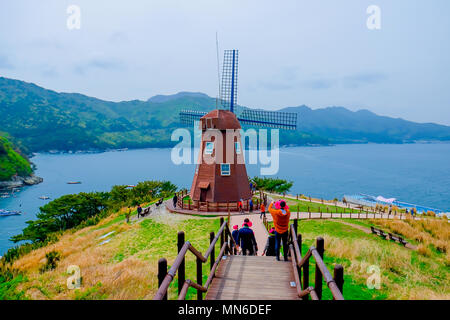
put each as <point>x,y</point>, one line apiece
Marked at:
<point>413,173</point>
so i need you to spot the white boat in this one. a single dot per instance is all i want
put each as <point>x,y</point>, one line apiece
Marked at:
<point>4,213</point>
<point>44,197</point>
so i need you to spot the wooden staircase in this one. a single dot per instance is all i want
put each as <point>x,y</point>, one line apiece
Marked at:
<point>253,278</point>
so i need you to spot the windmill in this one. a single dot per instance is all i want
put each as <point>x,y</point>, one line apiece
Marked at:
<point>224,182</point>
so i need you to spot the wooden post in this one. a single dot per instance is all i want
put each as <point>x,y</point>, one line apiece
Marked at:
<point>318,280</point>
<point>298,210</point>
<point>199,278</point>
<point>299,241</point>
<point>162,272</point>
<point>226,240</point>
<point>212,257</point>
<point>306,276</point>
<point>297,196</point>
<point>222,239</point>
<point>339,277</point>
<point>181,268</point>
<point>296,226</point>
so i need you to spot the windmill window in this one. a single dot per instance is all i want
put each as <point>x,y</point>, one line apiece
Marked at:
<point>209,147</point>
<point>237,147</point>
<point>225,169</point>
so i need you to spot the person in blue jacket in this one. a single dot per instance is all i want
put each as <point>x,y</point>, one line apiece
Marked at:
<point>247,241</point>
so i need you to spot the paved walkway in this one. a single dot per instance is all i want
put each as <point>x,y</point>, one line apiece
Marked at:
<point>258,228</point>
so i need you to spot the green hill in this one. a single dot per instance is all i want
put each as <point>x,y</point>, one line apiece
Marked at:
<point>38,119</point>
<point>11,162</point>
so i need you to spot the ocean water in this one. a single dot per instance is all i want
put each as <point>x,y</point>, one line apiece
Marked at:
<point>415,173</point>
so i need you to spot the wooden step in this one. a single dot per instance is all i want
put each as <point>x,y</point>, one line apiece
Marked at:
<point>254,278</point>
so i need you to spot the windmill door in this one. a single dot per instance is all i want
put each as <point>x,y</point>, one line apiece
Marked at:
<point>203,190</point>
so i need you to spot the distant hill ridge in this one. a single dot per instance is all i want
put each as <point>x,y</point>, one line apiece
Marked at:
<point>39,119</point>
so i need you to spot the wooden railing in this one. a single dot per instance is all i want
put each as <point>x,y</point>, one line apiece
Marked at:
<point>301,264</point>
<point>165,277</point>
<point>184,202</point>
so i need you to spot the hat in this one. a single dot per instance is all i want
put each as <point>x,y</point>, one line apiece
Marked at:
<point>249,224</point>
<point>235,227</point>
<point>278,205</point>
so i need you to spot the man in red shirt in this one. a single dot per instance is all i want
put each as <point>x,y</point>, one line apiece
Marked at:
<point>281,223</point>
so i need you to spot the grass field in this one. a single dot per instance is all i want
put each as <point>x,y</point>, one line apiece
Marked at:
<point>404,273</point>
<point>122,265</point>
<point>119,260</point>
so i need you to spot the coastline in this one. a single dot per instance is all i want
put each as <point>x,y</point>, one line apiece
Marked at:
<point>18,182</point>
<point>94,151</point>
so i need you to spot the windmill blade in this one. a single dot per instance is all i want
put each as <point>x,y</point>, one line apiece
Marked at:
<point>268,119</point>
<point>228,91</point>
<point>188,117</point>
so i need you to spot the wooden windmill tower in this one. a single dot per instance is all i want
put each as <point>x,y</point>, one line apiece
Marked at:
<point>225,179</point>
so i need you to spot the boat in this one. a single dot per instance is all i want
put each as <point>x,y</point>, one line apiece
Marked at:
<point>74,182</point>
<point>4,213</point>
<point>44,197</point>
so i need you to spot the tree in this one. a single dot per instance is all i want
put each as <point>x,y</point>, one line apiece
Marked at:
<point>272,184</point>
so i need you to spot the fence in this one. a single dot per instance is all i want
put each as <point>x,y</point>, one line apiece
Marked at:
<point>301,264</point>
<point>184,202</point>
<point>165,277</point>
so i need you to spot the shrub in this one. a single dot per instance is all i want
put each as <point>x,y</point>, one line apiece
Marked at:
<point>423,250</point>
<point>52,259</point>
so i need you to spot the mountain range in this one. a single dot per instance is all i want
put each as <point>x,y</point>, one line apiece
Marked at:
<point>38,119</point>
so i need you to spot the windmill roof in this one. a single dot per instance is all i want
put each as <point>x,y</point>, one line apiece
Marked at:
<point>223,119</point>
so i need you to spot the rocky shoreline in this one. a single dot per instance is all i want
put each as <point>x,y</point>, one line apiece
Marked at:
<point>17,182</point>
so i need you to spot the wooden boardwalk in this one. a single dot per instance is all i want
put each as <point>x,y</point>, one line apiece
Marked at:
<point>253,278</point>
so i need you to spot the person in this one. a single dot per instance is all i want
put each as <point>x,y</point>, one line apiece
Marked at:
<point>251,187</point>
<point>390,210</point>
<point>247,241</point>
<point>281,218</point>
<point>250,204</point>
<point>175,200</point>
<point>128,214</point>
<point>269,250</point>
<point>248,222</point>
<point>235,235</point>
<point>139,211</point>
<point>263,211</point>
<point>241,210</point>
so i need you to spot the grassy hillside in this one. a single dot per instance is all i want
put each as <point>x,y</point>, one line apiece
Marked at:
<point>42,120</point>
<point>405,274</point>
<point>12,162</point>
<point>122,265</point>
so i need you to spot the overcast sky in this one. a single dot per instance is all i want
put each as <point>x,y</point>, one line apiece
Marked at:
<point>316,52</point>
